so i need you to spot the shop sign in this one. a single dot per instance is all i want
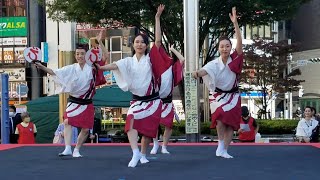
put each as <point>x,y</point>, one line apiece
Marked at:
<point>15,74</point>
<point>13,26</point>
<point>13,41</point>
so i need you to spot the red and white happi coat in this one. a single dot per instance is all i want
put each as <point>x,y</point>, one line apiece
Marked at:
<point>140,78</point>
<point>171,76</point>
<point>79,83</point>
<point>225,107</point>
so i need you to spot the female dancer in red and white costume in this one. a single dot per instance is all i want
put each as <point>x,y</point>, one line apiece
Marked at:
<point>170,78</point>
<point>140,75</point>
<point>80,81</point>
<point>222,77</point>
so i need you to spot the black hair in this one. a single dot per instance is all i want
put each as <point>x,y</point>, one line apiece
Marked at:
<point>244,111</point>
<point>82,46</point>
<point>13,107</point>
<point>224,38</point>
<point>308,107</point>
<point>313,109</point>
<point>145,40</point>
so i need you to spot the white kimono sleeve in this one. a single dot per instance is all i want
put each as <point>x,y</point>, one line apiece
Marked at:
<point>65,78</point>
<point>210,79</point>
<point>300,130</point>
<point>122,75</point>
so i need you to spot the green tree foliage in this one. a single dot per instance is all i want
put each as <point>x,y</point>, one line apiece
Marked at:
<point>265,62</point>
<point>213,15</point>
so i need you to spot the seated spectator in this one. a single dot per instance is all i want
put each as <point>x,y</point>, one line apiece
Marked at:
<point>248,126</point>
<point>59,135</point>
<point>306,126</point>
<point>26,131</point>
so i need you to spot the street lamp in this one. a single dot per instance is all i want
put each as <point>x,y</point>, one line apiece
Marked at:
<point>289,115</point>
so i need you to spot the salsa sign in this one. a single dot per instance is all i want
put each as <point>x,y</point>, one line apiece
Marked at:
<point>13,26</point>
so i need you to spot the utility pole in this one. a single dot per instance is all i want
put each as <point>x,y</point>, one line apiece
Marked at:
<point>290,92</point>
<point>191,51</point>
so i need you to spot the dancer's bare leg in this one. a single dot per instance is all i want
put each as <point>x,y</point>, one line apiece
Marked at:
<point>145,141</point>
<point>83,135</point>
<point>166,137</point>
<point>155,147</point>
<point>228,134</point>
<point>67,139</point>
<point>133,139</point>
<point>221,131</point>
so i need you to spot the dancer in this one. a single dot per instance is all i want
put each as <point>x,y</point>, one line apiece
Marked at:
<point>169,79</point>
<point>80,81</point>
<point>140,75</point>
<point>171,75</point>
<point>222,77</point>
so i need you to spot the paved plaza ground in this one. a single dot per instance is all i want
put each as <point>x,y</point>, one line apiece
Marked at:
<point>285,161</point>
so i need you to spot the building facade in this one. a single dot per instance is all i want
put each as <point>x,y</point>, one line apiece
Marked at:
<point>20,27</point>
<point>305,32</point>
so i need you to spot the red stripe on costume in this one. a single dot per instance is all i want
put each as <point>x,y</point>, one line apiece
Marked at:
<point>73,109</point>
<point>100,79</point>
<point>165,107</point>
<point>147,126</point>
<point>177,71</point>
<point>149,89</point>
<point>237,62</point>
<point>230,117</point>
<point>160,62</point>
<point>84,119</point>
<point>168,120</point>
<point>140,110</point>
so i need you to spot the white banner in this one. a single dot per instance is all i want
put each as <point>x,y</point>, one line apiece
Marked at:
<point>15,74</point>
<point>13,41</point>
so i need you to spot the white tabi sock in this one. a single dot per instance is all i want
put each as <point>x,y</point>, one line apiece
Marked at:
<point>135,158</point>
<point>226,155</point>
<point>143,159</point>
<point>67,150</point>
<point>155,146</point>
<point>76,153</point>
<point>164,150</point>
<point>220,148</point>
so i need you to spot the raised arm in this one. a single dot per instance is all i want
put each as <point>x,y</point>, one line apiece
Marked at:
<point>105,56</point>
<point>158,27</point>
<point>233,18</point>
<point>45,69</point>
<point>179,56</point>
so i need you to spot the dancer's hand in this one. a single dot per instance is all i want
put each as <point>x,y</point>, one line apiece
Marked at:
<point>38,64</point>
<point>171,47</point>
<point>160,10</point>
<point>100,36</point>
<point>233,16</point>
<point>91,136</point>
<point>195,74</point>
<point>96,65</point>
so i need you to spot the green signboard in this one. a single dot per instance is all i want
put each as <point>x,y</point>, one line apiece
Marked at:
<point>13,26</point>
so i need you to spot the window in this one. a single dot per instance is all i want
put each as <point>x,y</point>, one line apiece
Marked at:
<point>13,8</point>
<point>248,34</point>
<point>267,31</point>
